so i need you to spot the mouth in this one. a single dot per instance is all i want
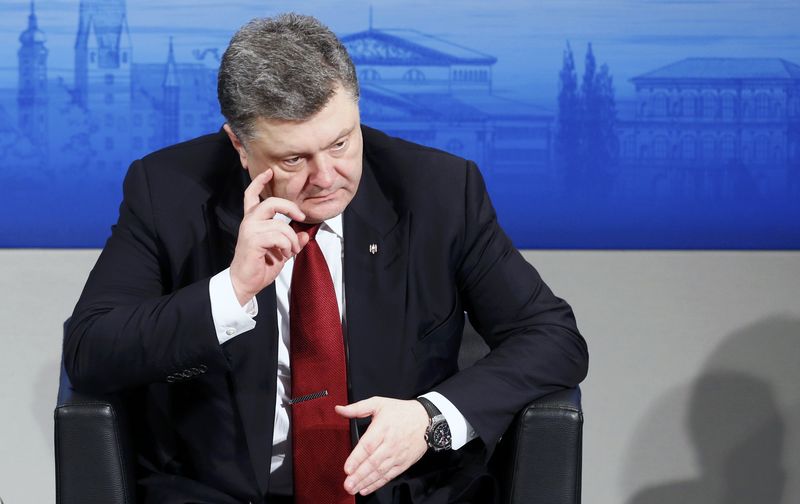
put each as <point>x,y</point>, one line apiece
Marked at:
<point>322,197</point>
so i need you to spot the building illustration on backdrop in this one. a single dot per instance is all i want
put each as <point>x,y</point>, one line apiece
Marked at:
<point>33,96</point>
<point>716,126</point>
<point>433,92</point>
<point>116,109</point>
<point>697,127</point>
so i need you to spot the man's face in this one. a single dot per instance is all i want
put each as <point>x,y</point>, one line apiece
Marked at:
<point>316,163</point>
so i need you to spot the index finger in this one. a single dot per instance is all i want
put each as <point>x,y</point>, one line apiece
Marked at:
<point>272,205</point>
<point>253,192</point>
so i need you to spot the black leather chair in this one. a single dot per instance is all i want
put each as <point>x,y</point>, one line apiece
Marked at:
<point>538,461</point>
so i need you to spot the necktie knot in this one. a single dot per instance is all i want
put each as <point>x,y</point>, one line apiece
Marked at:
<point>311,229</point>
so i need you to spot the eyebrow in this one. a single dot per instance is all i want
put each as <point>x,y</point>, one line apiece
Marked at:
<point>346,131</point>
<point>287,153</point>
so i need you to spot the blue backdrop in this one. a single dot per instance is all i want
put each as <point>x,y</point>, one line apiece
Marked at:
<point>603,124</point>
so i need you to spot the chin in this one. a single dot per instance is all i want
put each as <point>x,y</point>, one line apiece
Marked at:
<point>323,211</point>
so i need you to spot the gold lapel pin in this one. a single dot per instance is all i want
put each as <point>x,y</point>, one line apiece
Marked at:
<point>373,248</point>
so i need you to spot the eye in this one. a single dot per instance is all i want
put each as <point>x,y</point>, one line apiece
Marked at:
<point>340,145</point>
<point>293,161</point>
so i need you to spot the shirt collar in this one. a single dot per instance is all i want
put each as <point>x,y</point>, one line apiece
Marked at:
<point>333,225</point>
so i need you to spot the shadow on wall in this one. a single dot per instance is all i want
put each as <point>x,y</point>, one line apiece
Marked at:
<point>44,400</point>
<point>743,423</point>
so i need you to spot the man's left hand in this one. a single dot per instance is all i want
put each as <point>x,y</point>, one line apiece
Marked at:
<point>394,440</point>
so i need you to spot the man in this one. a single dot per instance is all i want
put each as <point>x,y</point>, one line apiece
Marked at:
<point>260,279</point>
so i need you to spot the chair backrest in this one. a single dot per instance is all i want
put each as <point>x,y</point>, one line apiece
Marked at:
<point>93,459</point>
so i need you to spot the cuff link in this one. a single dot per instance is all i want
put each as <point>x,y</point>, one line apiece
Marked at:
<point>187,373</point>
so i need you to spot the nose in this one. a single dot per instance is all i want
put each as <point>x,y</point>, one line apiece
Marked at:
<point>323,172</point>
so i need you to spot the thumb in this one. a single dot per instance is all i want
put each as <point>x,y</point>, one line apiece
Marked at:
<point>303,238</point>
<point>360,409</point>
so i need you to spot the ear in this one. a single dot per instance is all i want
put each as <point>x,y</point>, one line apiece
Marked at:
<point>237,144</point>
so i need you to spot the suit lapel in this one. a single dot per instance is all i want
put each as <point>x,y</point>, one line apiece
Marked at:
<point>253,355</point>
<point>375,270</point>
<point>228,209</point>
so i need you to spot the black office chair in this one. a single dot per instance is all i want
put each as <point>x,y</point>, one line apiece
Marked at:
<point>538,460</point>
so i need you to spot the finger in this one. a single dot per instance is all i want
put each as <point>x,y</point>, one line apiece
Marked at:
<point>387,472</point>
<point>374,468</point>
<point>263,230</point>
<point>274,257</point>
<point>376,484</point>
<point>253,192</point>
<point>303,238</point>
<point>270,206</point>
<point>271,240</point>
<point>259,233</point>
<point>366,446</point>
<point>370,468</point>
<point>360,409</point>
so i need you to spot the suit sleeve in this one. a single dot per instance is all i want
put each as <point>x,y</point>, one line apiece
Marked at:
<point>535,344</point>
<point>129,328</point>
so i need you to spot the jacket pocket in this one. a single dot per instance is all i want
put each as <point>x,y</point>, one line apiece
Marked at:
<point>454,322</point>
<point>442,342</point>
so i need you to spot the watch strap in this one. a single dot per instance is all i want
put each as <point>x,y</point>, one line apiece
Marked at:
<point>437,435</point>
<point>430,408</point>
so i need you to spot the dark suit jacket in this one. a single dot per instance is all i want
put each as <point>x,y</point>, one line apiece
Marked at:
<point>205,412</point>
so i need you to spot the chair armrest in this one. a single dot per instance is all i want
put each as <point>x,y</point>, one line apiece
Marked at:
<point>92,449</point>
<point>538,461</point>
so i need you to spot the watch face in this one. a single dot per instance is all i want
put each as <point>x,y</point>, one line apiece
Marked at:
<point>440,435</point>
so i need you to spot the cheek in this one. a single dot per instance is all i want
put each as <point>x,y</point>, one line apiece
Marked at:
<point>353,176</point>
<point>289,187</point>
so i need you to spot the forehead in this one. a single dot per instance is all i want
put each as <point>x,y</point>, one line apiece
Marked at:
<point>278,137</point>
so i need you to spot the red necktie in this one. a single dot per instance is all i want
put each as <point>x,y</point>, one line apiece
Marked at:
<point>320,437</point>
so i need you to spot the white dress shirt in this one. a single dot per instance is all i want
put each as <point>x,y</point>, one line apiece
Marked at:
<point>232,319</point>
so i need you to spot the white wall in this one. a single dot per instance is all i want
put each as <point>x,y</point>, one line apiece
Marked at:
<point>712,333</point>
<point>717,334</point>
<point>39,289</point>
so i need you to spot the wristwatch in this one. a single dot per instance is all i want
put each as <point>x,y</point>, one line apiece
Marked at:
<point>437,435</point>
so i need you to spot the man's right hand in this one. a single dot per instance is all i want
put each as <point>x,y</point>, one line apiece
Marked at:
<point>264,244</point>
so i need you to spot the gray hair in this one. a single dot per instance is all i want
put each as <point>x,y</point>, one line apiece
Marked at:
<point>287,67</point>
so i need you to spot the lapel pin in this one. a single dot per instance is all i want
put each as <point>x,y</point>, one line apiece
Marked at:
<point>373,248</point>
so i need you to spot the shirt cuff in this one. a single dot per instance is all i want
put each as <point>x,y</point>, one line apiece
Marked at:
<point>230,318</point>
<point>460,430</point>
